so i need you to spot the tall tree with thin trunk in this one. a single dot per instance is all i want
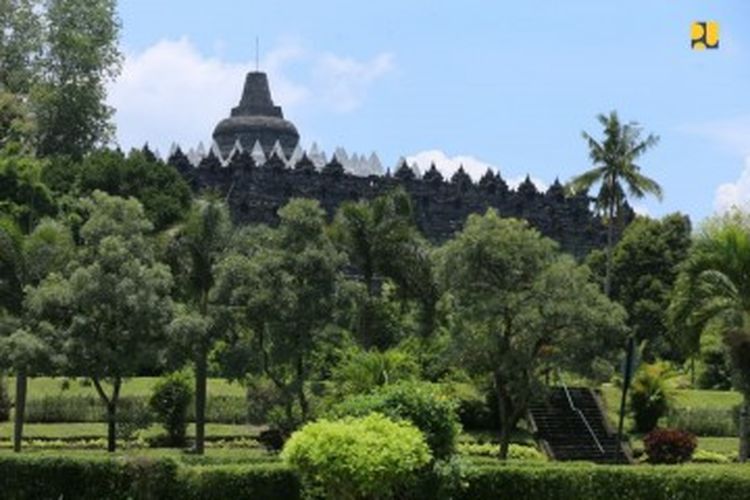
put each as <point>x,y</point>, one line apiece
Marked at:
<point>112,306</point>
<point>615,169</point>
<point>28,252</point>
<point>712,293</point>
<point>519,308</point>
<point>196,248</point>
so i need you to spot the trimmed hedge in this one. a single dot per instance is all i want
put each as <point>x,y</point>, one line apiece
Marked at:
<point>31,478</point>
<point>592,482</point>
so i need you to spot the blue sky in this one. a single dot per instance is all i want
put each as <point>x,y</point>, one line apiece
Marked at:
<point>506,84</point>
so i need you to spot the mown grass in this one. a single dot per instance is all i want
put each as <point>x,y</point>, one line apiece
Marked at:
<point>90,430</point>
<point>40,387</point>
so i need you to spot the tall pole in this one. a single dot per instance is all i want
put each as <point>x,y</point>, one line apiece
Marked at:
<point>627,373</point>
<point>257,54</point>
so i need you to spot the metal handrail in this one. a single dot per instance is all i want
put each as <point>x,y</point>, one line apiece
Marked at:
<point>580,413</point>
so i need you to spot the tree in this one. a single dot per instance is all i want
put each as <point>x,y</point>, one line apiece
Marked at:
<point>25,259</point>
<point>381,240</point>
<point>615,169</point>
<point>519,307</point>
<point>712,294</point>
<point>196,248</point>
<point>283,283</point>
<point>24,197</point>
<point>80,58</point>
<point>112,306</point>
<point>644,269</point>
<point>21,39</point>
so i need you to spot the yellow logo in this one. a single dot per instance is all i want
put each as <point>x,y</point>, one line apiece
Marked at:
<point>704,35</point>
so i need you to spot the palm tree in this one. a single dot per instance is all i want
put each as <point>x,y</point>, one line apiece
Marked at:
<point>712,293</point>
<point>195,248</point>
<point>381,240</point>
<point>615,169</point>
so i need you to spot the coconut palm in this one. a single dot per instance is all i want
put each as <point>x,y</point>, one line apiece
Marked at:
<point>616,171</point>
<point>712,294</point>
<point>195,248</point>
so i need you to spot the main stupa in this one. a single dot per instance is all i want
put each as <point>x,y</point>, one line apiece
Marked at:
<point>256,120</point>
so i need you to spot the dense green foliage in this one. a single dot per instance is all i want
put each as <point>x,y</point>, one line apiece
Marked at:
<point>357,458</point>
<point>712,296</point>
<point>170,402</point>
<point>644,269</point>
<point>518,307</point>
<point>424,405</point>
<point>113,304</point>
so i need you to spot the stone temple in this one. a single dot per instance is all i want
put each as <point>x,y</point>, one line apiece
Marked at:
<point>256,163</point>
<point>256,119</point>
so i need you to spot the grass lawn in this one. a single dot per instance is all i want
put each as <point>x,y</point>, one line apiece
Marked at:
<point>137,386</point>
<point>93,430</point>
<point>213,456</point>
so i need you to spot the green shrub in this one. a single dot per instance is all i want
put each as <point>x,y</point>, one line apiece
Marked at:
<point>364,371</point>
<point>257,481</point>
<point>669,446</point>
<point>651,395</point>
<point>169,401</point>
<point>709,457</point>
<point>5,402</point>
<point>515,451</point>
<point>602,482</point>
<point>354,458</point>
<point>30,478</point>
<point>422,404</point>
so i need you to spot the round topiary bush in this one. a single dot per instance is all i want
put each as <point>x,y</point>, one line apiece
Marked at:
<point>669,446</point>
<point>422,404</point>
<point>357,458</point>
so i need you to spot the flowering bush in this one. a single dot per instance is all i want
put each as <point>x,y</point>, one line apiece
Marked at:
<point>669,446</point>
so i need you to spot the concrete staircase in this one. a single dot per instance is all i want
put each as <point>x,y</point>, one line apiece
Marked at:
<point>571,425</point>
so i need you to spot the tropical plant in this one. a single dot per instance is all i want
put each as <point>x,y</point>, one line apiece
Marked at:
<point>712,295</point>
<point>652,395</point>
<point>615,169</point>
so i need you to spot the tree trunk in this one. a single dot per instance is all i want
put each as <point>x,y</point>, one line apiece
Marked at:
<point>20,410</point>
<point>744,427</point>
<point>504,411</point>
<point>304,406</point>
<point>610,242</point>
<point>201,374</point>
<point>111,404</point>
<point>112,427</point>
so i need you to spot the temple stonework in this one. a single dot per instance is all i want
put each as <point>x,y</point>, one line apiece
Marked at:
<point>258,166</point>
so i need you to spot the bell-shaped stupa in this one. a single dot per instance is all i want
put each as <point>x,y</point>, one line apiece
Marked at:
<point>256,119</point>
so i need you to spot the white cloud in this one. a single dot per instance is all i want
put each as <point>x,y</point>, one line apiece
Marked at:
<point>345,80</point>
<point>172,92</point>
<point>448,165</point>
<point>734,194</point>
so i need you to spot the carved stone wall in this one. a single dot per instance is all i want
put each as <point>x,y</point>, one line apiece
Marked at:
<point>255,193</point>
